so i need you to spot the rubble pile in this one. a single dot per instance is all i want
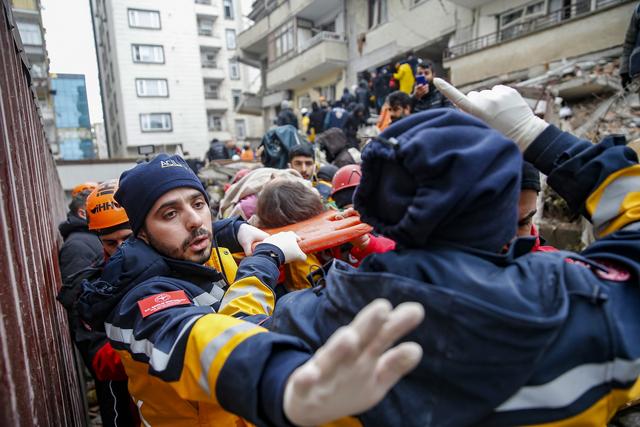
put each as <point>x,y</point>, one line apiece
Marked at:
<point>583,97</point>
<point>217,175</point>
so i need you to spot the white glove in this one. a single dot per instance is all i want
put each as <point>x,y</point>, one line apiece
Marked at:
<point>354,370</point>
<point>248,235</point>
<point>501,108</point>
<point>287,241</point>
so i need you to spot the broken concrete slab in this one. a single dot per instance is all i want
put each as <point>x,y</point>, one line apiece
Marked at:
<point>582,87</point>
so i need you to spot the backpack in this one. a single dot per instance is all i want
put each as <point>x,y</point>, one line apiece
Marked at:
<point>277,142</point>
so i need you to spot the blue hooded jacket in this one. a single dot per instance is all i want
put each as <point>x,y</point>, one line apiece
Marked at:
<point>509,339</point>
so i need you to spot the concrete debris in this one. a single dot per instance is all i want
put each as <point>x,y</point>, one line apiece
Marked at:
<point>583,97</point>
<point>587,86</point>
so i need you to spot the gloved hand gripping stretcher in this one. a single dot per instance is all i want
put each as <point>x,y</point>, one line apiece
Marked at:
<point>324,231</point>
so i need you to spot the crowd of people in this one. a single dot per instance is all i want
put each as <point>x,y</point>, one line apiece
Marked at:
<point>449,310</point>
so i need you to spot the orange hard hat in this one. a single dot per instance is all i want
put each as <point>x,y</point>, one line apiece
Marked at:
<point>89,185</point>
<point>347,176</point>
<point>102,209</point>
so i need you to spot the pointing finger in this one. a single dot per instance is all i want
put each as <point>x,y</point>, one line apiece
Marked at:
<point>454,95</point>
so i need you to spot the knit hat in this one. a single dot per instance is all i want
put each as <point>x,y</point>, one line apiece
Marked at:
<point>449,178</point>
<point>327,172</point>
<point>142,185</point>
<point>530,177</point>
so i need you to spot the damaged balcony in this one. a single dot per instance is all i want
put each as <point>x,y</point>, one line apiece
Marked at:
<point>319,56</point>
<point>539,40</point>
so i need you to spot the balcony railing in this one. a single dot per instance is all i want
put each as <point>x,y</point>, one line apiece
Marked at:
<point>209,64</point>
<point>320,37</point>
<point>551,19</point>
<point>313,41</point>
<point>261,8</point>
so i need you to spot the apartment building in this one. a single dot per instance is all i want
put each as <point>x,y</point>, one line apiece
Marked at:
<point>29,21</point>
<point>168,74</point>
<point>73,127</point>
<point>382,32</point>
<point>312,48</point>
<point>308,48</point>
<point>519,39</point>
<point>301,49</point>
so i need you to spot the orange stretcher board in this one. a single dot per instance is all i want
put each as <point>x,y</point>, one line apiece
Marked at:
<point>322,232</point>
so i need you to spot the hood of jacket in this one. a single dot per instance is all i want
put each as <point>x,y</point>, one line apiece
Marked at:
<point>441,175</point>
<point>73,224</point>
<point>133,263</point>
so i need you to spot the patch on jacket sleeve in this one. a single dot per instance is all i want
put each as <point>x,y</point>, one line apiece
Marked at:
<point>159,302</point>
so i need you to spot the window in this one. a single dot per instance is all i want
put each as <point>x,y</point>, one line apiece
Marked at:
<point>39,70</point>
<point>152,87</point>
<point>30,33</point>
<point>281,42</point>
<point>214,121</point>
<point>304,102</point>
<point>234,70</point>
<point>236,94</point>
<point>146,53</point>
<point>377,12</point>
<point>209,58</point>
<point>241,129</point>
<point>211,90</point>
<point>231,38</point>
<point>203,1</point>
<point>228,9</point>
<point>329,92</point>
<point>156,122</point>
<point>149,19</point>
<point>520,20</point>
<point>205,26</point>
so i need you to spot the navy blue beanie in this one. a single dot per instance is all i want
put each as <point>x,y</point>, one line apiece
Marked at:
<point>141,186</point>
<point>450,178</point>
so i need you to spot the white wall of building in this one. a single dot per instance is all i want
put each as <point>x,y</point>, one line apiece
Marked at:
<point>182,68</point>
<point>409,25</point>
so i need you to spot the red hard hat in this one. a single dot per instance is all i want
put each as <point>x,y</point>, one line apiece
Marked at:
<point>346,177</point>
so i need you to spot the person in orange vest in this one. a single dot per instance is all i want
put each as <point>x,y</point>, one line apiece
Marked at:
<point>247,153</point>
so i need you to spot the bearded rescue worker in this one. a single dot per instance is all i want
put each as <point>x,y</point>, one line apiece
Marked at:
<point>193,352</point>
<point>109,221</point>
<point>544,338</point>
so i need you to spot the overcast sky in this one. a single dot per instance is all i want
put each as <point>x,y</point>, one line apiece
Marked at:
<point>69,39</point>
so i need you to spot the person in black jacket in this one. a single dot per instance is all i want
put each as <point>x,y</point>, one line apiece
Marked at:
<point>356,118</point>
<point>316,118</point>
<point>381,87</point>
<point>217,151</point>
<point>81,247</point>
<point>286,115</point>
<point>362,97</point>
<point>426,96</point>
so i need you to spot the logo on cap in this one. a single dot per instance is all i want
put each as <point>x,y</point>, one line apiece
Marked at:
<point>170,164</point>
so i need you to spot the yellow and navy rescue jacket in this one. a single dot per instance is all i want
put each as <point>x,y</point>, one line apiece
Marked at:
<point>546,338</point>
<point>189,337</point>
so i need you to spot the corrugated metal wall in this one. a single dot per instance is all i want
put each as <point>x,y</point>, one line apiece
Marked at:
<point>38,380</point>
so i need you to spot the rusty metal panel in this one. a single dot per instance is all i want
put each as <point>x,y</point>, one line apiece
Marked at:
<point>38,379</point>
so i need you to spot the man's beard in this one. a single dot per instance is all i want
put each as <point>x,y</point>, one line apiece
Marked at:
<point>179,253</point>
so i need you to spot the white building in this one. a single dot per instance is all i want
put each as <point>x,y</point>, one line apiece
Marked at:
<point>167,74</point>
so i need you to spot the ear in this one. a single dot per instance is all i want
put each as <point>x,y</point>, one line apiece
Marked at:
<point>142,235</point>
<point>82,213</point>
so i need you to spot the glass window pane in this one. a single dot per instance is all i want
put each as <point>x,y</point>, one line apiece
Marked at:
<point>144,18</point>
<point>231,38</point>
<point>30,33</point>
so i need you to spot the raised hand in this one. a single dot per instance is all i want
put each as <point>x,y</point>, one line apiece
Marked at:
<point>356,367</point>
<point>502,108</point>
